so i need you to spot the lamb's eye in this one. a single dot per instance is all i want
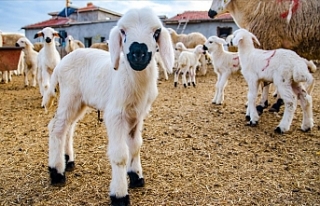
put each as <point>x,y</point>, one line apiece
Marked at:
<point>157,34</point>
<point>122,32</point>
<point>210,42</point>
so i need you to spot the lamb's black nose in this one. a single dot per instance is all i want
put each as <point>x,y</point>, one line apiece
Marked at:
<point>212,13</point>
<point>139,57</point>
<point>17,45</point>
<point>48,40</point>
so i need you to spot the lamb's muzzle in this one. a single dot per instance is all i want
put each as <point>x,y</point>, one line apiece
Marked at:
<point>139,57</point>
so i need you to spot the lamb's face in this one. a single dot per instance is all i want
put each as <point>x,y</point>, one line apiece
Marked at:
<point>138,47</point>
<point>199,49</point>
<point>138,35</point>
<point>21,42</point>
<point>48,34</point>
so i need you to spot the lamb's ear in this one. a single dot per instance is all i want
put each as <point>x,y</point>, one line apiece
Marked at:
<point>236,39</point>
<point>255,39</point>
<point>221,41</point>
<point>166,49</point>
<point>115,44</point>
<point>38,34</point>
<point>57,34</point>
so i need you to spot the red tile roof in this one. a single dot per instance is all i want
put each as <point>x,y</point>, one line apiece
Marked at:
<point>199,15</point>
<point>54,21</point>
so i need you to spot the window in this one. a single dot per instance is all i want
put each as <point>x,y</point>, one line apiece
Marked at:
<point>223,32</point>
<point>87,41</point>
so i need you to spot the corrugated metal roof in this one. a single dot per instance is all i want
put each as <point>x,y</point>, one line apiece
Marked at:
<point>198,15</point>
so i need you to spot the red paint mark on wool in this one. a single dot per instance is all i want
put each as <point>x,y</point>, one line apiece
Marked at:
<point>294,8</point>
<point>268,60</point>
<point>237,59</point>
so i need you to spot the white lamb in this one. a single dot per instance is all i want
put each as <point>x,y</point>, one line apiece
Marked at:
<point>224,63</point>
<point>73,44</point>
<point>123,84</point>
<point>30,59</point>
<point>48,57</point>
<point>188,62</point>
<point>287,70</point>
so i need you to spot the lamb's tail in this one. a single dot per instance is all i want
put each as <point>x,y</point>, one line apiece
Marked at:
<point>50,94</point>
<point>311,66</point>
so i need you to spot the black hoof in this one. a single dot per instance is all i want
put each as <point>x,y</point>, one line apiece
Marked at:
<point>175,84</point>
<point>69,164</point>
<point>278,130</point>
<point>194,84</point>
<point>260,109</point>
<point>247,117</point>
<point>189,84</point>
<point>122,201</point>
<point>135,181</point>
<point>185,86</point>
<point>276,107</point>
<point>56,178</point>
<point>253,124</point>
<point>306,130</point>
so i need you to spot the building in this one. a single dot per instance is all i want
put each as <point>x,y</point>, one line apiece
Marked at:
<point>191,21</point>
<point>92,24</point>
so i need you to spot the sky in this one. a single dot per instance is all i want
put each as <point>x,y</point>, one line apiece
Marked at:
<point>15,14</point>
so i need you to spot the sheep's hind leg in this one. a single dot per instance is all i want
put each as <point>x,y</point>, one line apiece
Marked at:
<point>264,98</point>
<point>290,102</point>
<point>69,153</point>
<point>306,105</point>
<point>59,126</point>
<point>134,167</point>
<point>176,77</point>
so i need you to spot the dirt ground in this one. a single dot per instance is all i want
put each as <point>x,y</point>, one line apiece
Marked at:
<point>194,152</point>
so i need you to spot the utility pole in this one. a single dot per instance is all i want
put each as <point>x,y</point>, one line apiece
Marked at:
<point>68,3</point>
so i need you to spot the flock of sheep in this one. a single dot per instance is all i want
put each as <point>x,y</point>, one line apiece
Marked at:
<point>123,83</point>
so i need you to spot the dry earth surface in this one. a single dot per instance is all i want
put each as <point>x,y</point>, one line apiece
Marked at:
<point>194,152</point>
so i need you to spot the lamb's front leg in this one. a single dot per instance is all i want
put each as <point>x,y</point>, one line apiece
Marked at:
<point>26,73</point>
<point>252,96</point>
<point>222,84</point>
<point>134,167</point>
<point>118,152</point>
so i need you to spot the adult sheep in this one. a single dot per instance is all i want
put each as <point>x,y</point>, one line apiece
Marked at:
<point>73,44</point>
<point>290,24</point>
<point>9,40</point>
<point>123,84</point>
<point>102,45</point>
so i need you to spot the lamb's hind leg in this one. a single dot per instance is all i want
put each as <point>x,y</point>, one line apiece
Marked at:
<point>58,128</point>
<point>69,153</point>
<point>306,105</point>
<point>290,102</point>
<point>134,167</point>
